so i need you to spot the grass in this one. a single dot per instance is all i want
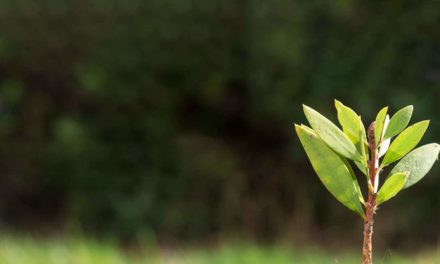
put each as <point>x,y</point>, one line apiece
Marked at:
<point>27,250</point>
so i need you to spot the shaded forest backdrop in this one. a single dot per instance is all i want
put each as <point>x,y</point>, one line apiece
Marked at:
<point>175,117</point>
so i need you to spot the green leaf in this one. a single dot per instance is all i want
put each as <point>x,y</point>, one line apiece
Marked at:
<point>354,129</point>
<point>378,129</point>
<point>349,121</point>
<point>405,142</point>
<point>331,134</point>
<point>418,163</point>
<point>391,187</point>
<point>351,124</point>
<point>399,121</point>
<point>333,170</point>
<point>363,147</point>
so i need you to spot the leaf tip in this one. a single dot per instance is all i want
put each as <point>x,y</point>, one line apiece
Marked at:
<point>384,110</point>
<point>309,112</point>
<point>306,108</point>
<point>425,123</point>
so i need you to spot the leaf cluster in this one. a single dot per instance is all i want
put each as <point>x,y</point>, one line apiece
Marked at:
<point>330,148</point>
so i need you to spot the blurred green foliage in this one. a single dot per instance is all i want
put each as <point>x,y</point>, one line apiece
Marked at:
<point>176,116</point>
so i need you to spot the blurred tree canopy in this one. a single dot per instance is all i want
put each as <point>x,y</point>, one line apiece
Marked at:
<point>176,116</point>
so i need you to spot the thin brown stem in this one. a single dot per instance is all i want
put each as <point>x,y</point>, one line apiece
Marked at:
<point>367,251</point>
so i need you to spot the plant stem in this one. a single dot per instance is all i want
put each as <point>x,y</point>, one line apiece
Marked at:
<point>367,252</point>
<point>370,206</point>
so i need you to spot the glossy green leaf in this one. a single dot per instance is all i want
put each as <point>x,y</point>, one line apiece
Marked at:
<point>354,129</point>
<point>363,147</point>
<point>331,134</point>
<point>391,187</point>
<point>380,119</point>
<point>405,142</point>
<point>349,121</point>
<point>399,121</point>
<point>333,170</point>
<point>418,163</point>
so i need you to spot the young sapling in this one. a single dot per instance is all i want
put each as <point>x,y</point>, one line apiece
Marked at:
<point>387,140</point>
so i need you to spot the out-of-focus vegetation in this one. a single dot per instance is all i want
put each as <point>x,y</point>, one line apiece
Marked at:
<point>82,251</point>
<point>175,117</point>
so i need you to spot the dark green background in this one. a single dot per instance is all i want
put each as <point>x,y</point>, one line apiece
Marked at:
<point>174,117</point>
